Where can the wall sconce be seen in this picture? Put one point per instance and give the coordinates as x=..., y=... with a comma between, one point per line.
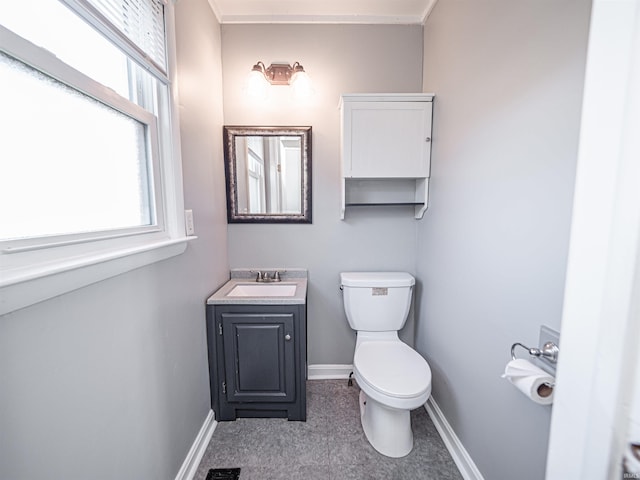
x=261, y=77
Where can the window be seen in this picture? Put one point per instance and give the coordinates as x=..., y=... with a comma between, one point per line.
x=75, y=157
x=89, y=164
x=255, y=174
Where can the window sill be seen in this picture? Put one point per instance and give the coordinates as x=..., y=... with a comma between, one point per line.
x=27, y=286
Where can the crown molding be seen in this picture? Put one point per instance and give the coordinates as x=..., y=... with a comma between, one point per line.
x=428, y=10
x=324, y=19
x=320, y=18
x=215, y=10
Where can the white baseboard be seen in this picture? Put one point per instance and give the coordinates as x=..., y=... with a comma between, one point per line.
x=460, y=456
x=328, y=372
x=190, y=464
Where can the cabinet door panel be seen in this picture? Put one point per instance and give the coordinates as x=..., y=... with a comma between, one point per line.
x=259, y=360
x=388, y=139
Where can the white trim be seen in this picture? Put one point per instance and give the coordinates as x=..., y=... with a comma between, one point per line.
x=48, y=281
x=174, y=193
x=600, y=328
x=460, y=456
x=328, y=372
x=215, y=10
x=428, y=10
x=325, y=19
x=192, y=461
x=73, y=240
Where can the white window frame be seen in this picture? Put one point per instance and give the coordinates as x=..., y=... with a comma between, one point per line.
x=37, y=269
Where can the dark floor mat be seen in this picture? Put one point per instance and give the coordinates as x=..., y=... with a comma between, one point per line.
x=223, y=474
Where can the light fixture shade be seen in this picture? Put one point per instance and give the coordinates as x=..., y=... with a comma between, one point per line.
x=261, y=77
x=301, y=85
x=257, y=84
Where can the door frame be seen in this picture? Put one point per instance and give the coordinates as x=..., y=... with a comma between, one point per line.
x=600, y=326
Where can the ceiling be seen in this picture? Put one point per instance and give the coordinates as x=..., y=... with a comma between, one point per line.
x=322, y=11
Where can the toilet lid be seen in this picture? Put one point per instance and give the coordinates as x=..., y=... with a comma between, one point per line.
x=377, y=279
x=392, y=368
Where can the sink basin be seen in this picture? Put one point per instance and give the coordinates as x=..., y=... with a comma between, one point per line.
x=263, y=290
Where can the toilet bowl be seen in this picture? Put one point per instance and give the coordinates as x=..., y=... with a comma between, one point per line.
x=393, y=378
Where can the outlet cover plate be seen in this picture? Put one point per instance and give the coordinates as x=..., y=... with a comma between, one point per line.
x=188, y=223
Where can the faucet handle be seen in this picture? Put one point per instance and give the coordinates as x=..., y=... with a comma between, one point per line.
x=277, y=274
x=259, y=275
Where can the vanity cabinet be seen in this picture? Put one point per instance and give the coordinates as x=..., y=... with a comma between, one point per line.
x=257, y=358
x=386, y=150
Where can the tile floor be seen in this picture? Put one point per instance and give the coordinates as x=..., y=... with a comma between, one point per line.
x=329, y=445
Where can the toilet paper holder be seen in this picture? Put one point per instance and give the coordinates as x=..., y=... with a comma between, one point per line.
x=548, y=351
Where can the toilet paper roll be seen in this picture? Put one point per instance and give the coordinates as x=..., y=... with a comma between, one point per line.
x=534, y=382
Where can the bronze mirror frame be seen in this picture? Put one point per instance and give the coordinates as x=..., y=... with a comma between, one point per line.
x=230, y=132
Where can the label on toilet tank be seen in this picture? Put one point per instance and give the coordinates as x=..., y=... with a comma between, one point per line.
x=379, y=291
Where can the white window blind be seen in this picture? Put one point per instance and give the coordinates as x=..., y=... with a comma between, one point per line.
x=140, y=21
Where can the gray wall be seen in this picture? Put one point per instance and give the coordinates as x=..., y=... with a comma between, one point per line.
x=508, y=78
x=339, y=59
x=115, y=374
x=111, y=381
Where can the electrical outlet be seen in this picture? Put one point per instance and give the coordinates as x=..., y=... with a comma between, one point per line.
x=188, y=223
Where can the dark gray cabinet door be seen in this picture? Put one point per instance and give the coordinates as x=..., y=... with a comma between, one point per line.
x=259, y=357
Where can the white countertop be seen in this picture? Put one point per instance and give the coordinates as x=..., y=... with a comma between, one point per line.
x=297, y=277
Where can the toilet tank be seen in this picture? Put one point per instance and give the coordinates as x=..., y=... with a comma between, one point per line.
x=376, y=301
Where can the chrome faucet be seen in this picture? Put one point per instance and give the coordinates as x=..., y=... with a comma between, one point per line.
x=264, y=276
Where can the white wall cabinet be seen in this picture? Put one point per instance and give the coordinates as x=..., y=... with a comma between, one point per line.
x=386, y=150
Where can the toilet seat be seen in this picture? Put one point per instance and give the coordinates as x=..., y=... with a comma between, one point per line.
x=393, y=370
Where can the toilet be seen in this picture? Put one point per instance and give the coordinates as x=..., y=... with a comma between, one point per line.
x=393, y=378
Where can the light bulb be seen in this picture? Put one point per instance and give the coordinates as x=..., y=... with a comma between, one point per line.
x=257, y=85
x=301, y=85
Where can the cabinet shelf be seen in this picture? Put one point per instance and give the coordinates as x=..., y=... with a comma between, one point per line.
x=385, y=204
x=380, y=192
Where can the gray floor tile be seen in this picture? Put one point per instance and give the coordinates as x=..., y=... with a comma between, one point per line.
x=330, y=445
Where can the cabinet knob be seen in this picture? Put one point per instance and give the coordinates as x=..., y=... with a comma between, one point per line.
x=287, y=337
x=428, y=139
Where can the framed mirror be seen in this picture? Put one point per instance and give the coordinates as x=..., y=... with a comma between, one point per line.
x=268, y=172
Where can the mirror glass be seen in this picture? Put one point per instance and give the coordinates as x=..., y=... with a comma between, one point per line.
x=268, y=172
